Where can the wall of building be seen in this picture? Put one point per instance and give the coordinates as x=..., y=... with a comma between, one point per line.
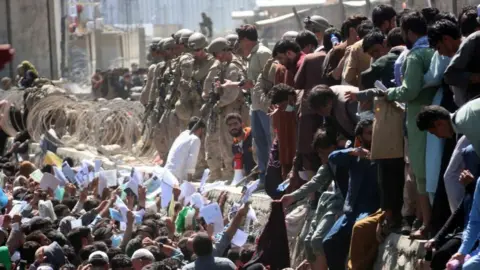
x=29, y=26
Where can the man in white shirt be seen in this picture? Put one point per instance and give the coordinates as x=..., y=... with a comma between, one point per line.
x=183, y=155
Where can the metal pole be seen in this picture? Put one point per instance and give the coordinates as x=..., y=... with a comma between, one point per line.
x=50, y=45
x=454, y=7
x=9, y=34
x=342, y=10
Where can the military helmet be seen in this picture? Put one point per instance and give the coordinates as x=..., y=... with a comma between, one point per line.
x=290, y=35
x=160, y=45
x=316, y=23
x=154, y=45
x=178, y=35
x=197, y=41
x=218, y=45
x=185, y=35
x=232, y=39
x=168, y=43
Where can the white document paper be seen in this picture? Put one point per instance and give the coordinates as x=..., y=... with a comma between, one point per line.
x=102, y=184
x=250, y=189
x=240, y=238
x=37, y=175
x=197, y=200
x=139, y=216
x=49, y=181
x=213, y=215
x=152, y=184
x=110, y=177
x=76, y=223
x=252, y=215
x=17, y=208
x=133, y=185
x=167, y=194
x=68, y=172
x=98, y=165
x=59, y=174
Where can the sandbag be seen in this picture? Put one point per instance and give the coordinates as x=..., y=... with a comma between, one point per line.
x=387, y=136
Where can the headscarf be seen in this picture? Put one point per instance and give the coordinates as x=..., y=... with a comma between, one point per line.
x=26, y=65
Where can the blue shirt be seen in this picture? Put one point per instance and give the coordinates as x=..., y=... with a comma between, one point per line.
x=471, y=233
x=362, y=195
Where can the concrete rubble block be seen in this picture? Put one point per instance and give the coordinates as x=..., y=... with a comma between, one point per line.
x=399, y=252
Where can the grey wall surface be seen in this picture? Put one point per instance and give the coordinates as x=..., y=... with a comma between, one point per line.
x=32, y=27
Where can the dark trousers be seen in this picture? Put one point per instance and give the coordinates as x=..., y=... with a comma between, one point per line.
x=336, y=244
x=444, y=253
x=392, y=180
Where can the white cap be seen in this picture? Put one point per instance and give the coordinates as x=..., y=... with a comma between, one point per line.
x=143, y=254
x=98, y=255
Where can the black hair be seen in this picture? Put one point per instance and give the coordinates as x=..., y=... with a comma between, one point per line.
x=446, y=16
x=91, y=204
x=429, y=114
x=35, y=236
x=157, y=266
x=156, y=252
x=415, y=22
x=56, y=236
x=173, y=263
x=371, y=39
x=283, y=46
x=233, y=254
x=382, y=13
x=47, y=169
x=61, y=210
x=429, y=14
x=361, y=125
x=120, y=261
x=85, y=252
x=113, y=251
x=306, y=38
x=280, y=93
x=395, y=38
x=327, y=39
x=202, y=245
x=440, y=29
x=69, y=160
x=27, y=251
x=351, y=22
x=402, y=14
x=320, y=95
x=234, y=116
x=246, y=254
x=193, y=121
x=76, y=235
x=364, y=28
x=99, y=245
x=323, y=140
x=247, y=31
x=469, y=22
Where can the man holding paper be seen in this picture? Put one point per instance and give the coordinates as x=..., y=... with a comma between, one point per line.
x=182, y=157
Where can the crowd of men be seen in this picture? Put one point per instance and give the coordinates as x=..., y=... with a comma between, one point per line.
x=308, y=113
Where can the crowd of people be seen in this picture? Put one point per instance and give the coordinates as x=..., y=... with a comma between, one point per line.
x=117, y=83
x=311, y=106
x=355, y=133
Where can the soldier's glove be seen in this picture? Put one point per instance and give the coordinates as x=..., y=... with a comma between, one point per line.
x=149, y=106
x=216, y=108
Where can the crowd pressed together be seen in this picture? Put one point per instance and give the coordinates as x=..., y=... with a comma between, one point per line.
x=354, y=133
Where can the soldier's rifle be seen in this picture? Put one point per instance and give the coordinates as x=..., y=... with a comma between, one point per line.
x=171, y=99
x=207, y=110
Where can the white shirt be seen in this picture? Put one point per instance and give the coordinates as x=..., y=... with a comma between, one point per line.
x=182, y=157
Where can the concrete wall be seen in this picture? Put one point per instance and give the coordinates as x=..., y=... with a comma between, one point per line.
x=135, y=48
x=30, y=27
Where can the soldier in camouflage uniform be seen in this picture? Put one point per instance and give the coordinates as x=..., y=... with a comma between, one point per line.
x=193, y=68
x=163, y=76
x=218, y=141
x=155, y=53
